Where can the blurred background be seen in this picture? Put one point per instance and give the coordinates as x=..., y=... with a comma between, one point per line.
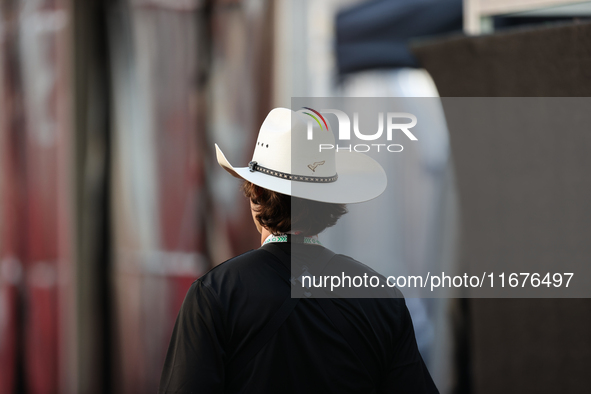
x=112, y=203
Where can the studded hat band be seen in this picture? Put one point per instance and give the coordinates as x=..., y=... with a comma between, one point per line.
x=253, y=166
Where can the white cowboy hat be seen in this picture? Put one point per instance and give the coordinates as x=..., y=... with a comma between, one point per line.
x=288, y=159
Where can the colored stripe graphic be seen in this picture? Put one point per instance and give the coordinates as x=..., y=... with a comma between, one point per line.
x=321, y=117
x=314, y=119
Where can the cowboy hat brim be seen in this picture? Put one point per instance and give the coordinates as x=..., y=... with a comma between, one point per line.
x=360, y=178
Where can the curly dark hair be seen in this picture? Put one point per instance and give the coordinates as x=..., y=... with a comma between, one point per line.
x=279, y=213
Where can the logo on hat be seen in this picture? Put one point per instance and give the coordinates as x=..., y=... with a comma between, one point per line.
x=315, y=164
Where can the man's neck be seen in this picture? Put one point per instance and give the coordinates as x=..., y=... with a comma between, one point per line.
x=264, y=234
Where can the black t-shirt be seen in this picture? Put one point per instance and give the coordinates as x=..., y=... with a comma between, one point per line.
x=229, y=305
